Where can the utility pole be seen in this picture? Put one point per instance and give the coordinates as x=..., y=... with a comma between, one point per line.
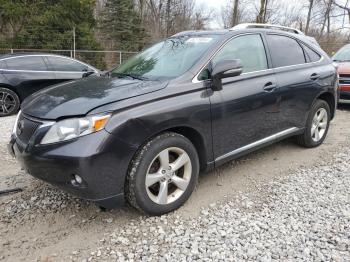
x=74, y=42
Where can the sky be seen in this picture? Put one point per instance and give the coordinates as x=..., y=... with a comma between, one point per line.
x=216, y=4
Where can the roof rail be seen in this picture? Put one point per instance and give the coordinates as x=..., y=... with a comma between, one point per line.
x=269, y=26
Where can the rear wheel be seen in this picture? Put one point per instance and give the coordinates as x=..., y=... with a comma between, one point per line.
x=163, y=174
x=317, y=125
x=9, y=102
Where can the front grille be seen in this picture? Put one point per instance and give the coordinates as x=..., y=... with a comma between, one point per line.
x=26, y=128
x=344, y=79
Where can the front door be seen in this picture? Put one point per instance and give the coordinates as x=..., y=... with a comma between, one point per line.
x=66, y=69
x=246, y=111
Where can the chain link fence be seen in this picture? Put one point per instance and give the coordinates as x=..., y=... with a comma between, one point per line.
x=102, y=60
x=108, y=59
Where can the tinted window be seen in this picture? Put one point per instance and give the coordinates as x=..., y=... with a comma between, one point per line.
x=65, y=64
x=35, y=63
x=285, y=51
x=249, y=49
x=311, y=54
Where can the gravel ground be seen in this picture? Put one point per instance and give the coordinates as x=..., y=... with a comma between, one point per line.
x=303, y=217
x=12, y=177
x=283, y=203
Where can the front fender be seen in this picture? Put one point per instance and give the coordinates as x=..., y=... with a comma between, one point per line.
x=136, y=125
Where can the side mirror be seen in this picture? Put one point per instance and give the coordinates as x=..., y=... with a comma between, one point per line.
x=225, y=69
x=88, y=73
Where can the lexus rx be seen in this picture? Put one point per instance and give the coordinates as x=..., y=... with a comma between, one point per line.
x=188, y=104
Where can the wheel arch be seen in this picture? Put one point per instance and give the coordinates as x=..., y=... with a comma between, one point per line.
x=329, y=98
x=196, y=139
x=2, y=85
x=193, y=135
x=137, y=131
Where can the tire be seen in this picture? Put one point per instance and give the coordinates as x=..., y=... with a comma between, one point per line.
x=309, y=138
x=149, y=165
x=9, y=102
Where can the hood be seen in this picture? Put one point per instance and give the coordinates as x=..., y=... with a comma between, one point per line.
x=343, y=68
x=81, y=96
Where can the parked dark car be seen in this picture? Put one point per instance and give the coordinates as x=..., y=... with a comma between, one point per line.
x=23, y=74
x=183, y=106
x=342, y=58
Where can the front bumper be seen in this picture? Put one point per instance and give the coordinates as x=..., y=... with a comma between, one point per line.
x=344, y=92
x=345, y=95
x=100, y=159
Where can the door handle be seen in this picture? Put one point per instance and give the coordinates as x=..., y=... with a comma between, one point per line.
x=269, y=87
x=314, y=76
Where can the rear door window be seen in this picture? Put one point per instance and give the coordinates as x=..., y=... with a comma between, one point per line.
x=31, y=63
x=285, y=51
x=66, y=64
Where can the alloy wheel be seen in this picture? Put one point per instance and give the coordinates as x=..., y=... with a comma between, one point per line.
x=168, y=175
x=319, y=124
x=7, y=103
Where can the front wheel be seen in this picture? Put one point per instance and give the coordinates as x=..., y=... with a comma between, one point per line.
x=317, y=125
x=163, y=174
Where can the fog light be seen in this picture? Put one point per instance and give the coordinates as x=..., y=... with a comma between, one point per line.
x=77, y=180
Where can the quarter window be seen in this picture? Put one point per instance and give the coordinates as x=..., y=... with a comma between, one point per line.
x=311, y=54
x=65, y=64
x=285, y=51
x=249, y=49
x=33, y=63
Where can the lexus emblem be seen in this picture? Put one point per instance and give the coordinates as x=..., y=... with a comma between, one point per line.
x=20, y=127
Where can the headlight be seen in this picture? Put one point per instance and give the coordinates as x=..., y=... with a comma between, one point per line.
x=16, y=123
x=74, y=127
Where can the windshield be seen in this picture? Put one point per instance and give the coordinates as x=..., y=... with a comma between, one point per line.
x=343, y=54
x=168, y=59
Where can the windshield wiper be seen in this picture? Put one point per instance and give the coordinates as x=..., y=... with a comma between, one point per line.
x=121, y=75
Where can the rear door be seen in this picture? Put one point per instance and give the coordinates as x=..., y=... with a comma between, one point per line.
x=245, y=111
x=27, y=74
x=66, y=68
x=299, y=75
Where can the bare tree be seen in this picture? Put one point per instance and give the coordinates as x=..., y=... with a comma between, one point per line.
x=162, y=18
x=261, y=17
x=142, y=4
x=235, y=15
x=168, y=18
x=326, y=18
x=311, y=4
x=345, y=8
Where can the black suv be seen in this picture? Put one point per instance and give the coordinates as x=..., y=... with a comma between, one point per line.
x=23, y=74
x=183, y=106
